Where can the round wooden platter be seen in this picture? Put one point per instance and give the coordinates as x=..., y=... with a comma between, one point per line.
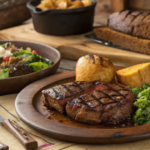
x=29, y=107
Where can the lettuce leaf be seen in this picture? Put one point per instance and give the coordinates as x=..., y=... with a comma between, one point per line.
x=37, y=66
x=37, y=58
x=29, y=57
x=33, y=58
x=23, y=54
x=48, y=61
x=4, y=73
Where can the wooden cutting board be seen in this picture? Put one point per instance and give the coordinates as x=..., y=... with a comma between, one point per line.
x=73, y=47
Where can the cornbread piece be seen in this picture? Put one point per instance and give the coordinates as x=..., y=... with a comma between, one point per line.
x=57, y=96
x=109, y=103
x=94, y=68
x=135, y=23
x=123, y=40
x=135, y=76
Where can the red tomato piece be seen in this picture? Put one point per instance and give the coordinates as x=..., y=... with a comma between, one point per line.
x=5, y=58
x=34, y=52
x=0, y=71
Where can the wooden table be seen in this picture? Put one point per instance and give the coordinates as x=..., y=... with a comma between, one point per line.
x=66, y=65
x=43, y=141
x=71, y=48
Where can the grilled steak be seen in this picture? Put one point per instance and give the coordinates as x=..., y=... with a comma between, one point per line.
x=135, y=23
x=57, y=96
x=109, y=103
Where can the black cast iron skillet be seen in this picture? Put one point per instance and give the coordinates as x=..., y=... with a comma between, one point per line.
x=62, y=22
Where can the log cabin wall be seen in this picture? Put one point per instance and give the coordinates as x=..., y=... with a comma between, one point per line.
x=103, y=7
x=118, y=5
x=139, y=4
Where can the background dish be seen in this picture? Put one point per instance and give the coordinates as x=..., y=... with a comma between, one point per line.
x=62, y=22
x=16, y=84
x=65, y=129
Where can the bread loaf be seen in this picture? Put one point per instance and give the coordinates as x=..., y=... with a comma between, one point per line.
x=123, y=40
x=135, y=23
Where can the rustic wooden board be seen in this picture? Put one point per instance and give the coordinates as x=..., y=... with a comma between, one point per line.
x=73, y=47
x=29, y=108
x=118, y=5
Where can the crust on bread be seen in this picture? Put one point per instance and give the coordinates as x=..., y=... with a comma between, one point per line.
x=123, y=40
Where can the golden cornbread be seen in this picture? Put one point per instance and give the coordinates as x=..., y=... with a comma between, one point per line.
x=135, y=76
x=93, y=68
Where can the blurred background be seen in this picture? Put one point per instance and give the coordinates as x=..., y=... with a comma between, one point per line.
x=103, y=7
x=15, y=12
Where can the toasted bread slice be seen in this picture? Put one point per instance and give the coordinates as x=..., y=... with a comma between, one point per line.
x=135, y=76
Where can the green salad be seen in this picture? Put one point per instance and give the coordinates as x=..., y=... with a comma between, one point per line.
x=4, y=73
x=17, y=61
x=142, y=104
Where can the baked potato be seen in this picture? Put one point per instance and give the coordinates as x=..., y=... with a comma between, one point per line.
x=76, y=4
x=47, y=4
x=63, y=4
x=135, y=76
x=93, y=68
x=87, y=2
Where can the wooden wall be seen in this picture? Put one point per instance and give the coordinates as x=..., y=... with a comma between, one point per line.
x=103, y=6
x=118, y=5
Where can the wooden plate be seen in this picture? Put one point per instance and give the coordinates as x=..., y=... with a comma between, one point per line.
x=16, y=84
x=29, y=107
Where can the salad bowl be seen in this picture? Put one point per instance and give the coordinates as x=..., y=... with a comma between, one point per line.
x=17, y=83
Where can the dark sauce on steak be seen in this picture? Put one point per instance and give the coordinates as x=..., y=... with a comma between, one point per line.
x=55, y=116
x=63, y=119
x=105, y=105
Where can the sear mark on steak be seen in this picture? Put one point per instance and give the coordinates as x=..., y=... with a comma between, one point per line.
x=109, y=103
x=56, y=97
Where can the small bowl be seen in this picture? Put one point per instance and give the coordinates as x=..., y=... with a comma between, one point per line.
x=62, y=22
x=16, y=84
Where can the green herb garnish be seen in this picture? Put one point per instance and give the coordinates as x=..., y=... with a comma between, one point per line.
x=136, y=91
x=142, y=103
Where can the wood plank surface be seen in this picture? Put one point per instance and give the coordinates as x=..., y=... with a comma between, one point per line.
x=118, y=5
x=139, y=4
x=73, y=47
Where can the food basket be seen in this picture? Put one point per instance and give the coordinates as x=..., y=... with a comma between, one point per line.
x=13, y=12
